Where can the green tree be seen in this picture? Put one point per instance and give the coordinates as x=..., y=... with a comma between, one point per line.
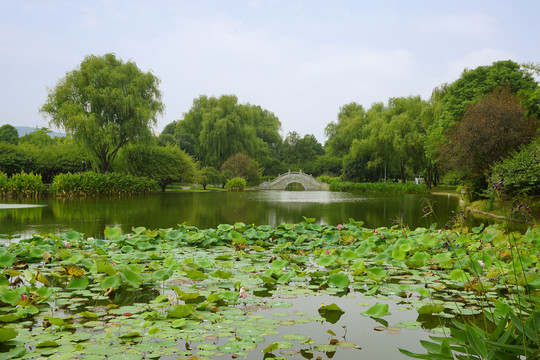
x=216, y=128
x=9, y=134
x=14, y=159
x=476, y=83
x=52, y=159
x=351, y=121
x=489, y=131
x=298, y=150
x=105, y=104
x=164, y=164
x=519, y=172
x=209, y=176
x=38, y=137
x=241, y=165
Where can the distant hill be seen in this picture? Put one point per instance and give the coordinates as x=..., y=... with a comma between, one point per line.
x=23, y=130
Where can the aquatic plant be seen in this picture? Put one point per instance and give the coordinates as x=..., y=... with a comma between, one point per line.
x=203, y=292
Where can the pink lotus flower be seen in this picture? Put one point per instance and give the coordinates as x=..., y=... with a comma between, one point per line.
x=90, y=239
x=67, y=244
x=481, y=263
x=243, y=293
x=339, y=227
x=23, y=297
x=327, y=251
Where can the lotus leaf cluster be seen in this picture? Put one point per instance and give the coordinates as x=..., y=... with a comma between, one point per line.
x=192, y=293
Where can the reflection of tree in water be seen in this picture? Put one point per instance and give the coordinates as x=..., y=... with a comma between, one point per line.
x=207, y=210
x=22, y=215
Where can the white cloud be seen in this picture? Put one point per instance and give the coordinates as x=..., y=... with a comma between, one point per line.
x=478, y=58
x=468, y=26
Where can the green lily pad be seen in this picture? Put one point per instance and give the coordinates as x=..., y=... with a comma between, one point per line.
x=325, y=348
x=294, y=337
x=378, y=310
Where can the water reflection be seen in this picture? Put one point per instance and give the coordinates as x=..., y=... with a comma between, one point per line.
x=91, y=216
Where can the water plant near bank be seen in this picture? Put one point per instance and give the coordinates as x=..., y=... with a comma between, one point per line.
x=205, y=293
x=21, y=185
x=91, y=183
x=395, y=188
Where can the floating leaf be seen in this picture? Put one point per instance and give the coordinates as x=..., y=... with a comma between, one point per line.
x=112, y=233
x=196, y=275
x=180, y=311
x=222, y=274
x=331, y=313
x=78, y=283
x=88, y=315
x=162, y=275
x=6, y=259
x=7, y=334
x=377, y=310
x=325, y=348
x=339, y=280
x=114, y=282
x=270, y=348
x=430, y=309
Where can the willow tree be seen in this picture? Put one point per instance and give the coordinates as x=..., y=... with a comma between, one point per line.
x=105, y=104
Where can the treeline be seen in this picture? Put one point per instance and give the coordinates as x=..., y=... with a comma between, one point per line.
x=480, y=128
x=455, y=137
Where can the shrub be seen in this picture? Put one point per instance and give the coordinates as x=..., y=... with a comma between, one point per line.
x=236, y=184
x=520, y=171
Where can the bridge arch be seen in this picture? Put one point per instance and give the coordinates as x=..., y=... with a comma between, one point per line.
x=307, y=181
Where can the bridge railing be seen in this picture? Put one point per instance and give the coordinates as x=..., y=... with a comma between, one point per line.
x=280, y=176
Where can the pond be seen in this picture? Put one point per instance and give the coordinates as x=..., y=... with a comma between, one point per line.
x=209, y=209
x=285, y=288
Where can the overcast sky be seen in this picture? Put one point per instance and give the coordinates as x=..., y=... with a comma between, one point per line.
x=301, y=60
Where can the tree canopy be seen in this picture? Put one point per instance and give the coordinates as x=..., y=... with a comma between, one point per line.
x=491, y=128
x=9, y=134
x=105, y=104
x=216, y=128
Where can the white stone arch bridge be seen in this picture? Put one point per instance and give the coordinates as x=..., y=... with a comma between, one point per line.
x=307, y=181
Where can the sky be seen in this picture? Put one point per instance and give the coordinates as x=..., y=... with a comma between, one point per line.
x=300, y=59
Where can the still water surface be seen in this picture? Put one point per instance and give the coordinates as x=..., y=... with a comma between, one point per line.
x=208, y=209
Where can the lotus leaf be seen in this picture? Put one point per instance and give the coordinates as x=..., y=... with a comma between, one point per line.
x=376, y=311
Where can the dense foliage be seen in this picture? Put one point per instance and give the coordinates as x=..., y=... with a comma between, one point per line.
x=520, y=172
x=241, y=165
x=105, y=104
x=164, y=164
x=216, y=128
x=236, y=184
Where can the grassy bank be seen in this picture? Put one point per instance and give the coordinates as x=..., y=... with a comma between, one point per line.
x=520, y=210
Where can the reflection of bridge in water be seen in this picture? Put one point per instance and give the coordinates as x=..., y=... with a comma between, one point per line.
x=282, y=181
